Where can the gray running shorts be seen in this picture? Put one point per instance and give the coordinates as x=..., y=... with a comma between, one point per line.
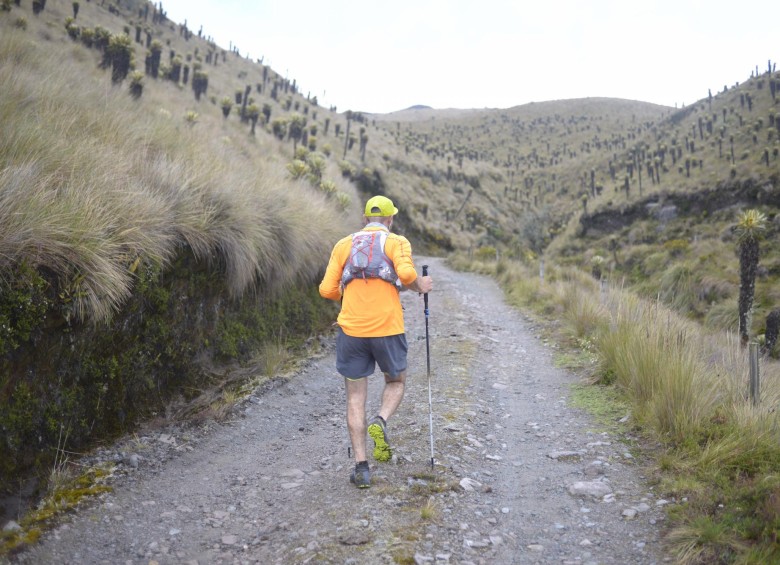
x=357, y=357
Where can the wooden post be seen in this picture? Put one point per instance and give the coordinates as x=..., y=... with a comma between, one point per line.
x=755, y=381
x=541, y=270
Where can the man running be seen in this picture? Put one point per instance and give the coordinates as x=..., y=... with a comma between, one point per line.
x=366, y=271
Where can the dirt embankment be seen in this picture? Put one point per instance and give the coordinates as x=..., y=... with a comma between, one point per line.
x=723, y=196
x=521, y=476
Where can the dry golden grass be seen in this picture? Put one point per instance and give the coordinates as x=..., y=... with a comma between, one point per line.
x=92, y=182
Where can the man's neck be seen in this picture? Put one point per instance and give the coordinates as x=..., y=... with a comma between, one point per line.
x=377, y=225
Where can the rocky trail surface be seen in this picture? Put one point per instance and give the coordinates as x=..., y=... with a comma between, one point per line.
x=520, y=475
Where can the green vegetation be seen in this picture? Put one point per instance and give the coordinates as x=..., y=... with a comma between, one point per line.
x=65, y=491
x=749, y=230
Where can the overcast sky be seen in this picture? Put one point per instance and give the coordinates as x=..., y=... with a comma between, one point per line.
x=383, y=56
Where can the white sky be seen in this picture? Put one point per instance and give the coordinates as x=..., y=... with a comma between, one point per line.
x=380, y=57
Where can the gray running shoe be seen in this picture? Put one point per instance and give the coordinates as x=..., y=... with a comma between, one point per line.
x=361, y=476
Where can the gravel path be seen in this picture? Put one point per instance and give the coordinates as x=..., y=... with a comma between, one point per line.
x=521, y=477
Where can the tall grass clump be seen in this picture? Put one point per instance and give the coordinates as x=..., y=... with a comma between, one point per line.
x=91, y=183
x=652, y=356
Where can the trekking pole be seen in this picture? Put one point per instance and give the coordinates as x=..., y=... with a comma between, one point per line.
x=428, y=358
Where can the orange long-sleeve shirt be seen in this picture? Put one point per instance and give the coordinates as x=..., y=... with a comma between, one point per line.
x=370, y=307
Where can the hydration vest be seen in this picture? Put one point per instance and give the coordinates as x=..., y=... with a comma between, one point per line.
x=367, y=259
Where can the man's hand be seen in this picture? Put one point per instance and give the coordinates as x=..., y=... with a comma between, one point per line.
x=423, y=285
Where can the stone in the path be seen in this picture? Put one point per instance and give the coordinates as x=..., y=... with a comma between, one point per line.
x=294, y=473
x=594, y=469
x=474, y=544
x=419, y=559
x=629, y=513
x=230, y=539
x=469, y=485
x=499, y=386
x=595, y=489
x=288, y=486
x=536, y=547
x=354, y=538
x=563, y=455
x=167, y=439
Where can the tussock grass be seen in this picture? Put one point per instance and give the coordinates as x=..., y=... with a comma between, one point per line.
x=273, y=357
x=582, y=311
x=93, y=183
x=430, y=511
x=652, y=355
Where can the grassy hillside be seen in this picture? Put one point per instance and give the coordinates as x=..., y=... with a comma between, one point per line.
x=647, y=193
x=519, y=165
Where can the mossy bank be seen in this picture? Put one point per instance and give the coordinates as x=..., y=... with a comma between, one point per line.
x=86, y=382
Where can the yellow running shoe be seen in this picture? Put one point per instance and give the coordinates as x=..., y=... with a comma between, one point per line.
x=377, y=429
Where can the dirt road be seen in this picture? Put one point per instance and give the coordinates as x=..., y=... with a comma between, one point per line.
x=521, y=477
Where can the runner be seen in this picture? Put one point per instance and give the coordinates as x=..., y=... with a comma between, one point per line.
x=366, y=271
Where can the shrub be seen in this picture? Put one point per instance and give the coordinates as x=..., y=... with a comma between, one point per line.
x=676, y=247
x=298, y=169
x=253, y=114
x=227, y=105
x=328, y=187
x=485, y=253
x=279, y=128
x=200, y=83
x=120, y=53
x=155, y=53
x=316, y=163
x=347, y=170
x=136, y=84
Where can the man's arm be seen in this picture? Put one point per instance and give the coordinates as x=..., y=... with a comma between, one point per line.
x=404, y=268
x=330, y=287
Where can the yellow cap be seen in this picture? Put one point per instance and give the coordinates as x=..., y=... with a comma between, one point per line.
x=380, y=206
